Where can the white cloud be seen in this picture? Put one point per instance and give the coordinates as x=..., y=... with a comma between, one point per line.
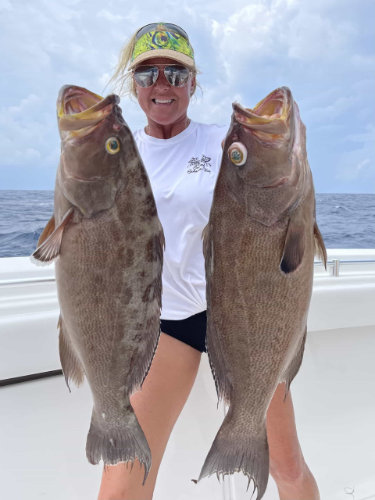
x=354, y=172
x=316, y=38
x=29, y=103
x=333, y=109
x=357, y=162
x=215, y=105
x=245, y=48
x=278, y=29
x=110, y=16
x=31, y=133
x=5, y=5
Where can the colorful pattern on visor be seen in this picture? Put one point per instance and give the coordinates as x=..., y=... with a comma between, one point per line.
x=161, y=38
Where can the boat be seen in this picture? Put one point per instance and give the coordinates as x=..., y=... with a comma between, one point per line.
x=43, y=426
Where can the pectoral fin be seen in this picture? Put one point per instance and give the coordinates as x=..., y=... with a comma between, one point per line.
x=50, y=227
x=51, y=238
x=294, y=246
x=320, y=248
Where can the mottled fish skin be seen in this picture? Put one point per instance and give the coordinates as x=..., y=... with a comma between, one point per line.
x=108, y=270
x=259, y=248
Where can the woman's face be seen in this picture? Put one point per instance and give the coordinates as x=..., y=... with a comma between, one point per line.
x=163, y=103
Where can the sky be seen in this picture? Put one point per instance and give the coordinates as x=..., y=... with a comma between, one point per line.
x=323, y=50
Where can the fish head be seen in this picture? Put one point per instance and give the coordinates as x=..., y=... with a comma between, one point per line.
x=95, y=144
x=265, y=156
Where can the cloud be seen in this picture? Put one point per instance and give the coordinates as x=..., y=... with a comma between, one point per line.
x=357, y=162
x=110, y=16
x=245, y=48
x=214, y=105
x=279, y=29
x=5, y=5
x=29, y=137
x=313, y=37
x=333, y=108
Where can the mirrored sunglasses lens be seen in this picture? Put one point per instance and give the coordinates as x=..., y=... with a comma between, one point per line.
x=146, y=76
x=176, y=75
x=152, y=26
x=177, y=29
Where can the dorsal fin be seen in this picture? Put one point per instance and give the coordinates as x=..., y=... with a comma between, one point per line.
x=320, y=248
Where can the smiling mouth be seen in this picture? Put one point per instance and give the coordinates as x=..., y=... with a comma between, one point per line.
x=162, y=101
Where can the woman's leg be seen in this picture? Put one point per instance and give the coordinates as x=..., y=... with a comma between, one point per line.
x=157, y=406
x=287, y=465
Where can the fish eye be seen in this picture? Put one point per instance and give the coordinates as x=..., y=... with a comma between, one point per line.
x=237, y=153
x=112, y=145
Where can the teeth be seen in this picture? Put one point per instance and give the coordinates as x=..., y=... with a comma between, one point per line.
x=162, y=101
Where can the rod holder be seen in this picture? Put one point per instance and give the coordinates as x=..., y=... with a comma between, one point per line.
x=335, y=267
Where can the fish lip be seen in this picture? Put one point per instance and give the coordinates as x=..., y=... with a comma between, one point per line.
x=79, y=111
x=275, y=123
x=69, y=93
x=247, y=112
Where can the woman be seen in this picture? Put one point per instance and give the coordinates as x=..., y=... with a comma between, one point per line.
x=182, y=159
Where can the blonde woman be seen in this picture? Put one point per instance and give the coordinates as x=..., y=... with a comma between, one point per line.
x=182, y=159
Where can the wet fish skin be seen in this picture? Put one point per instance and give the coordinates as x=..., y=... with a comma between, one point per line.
x=259, y=248
x=108, y=267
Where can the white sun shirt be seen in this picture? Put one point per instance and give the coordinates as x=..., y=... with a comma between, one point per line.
x=183, y=172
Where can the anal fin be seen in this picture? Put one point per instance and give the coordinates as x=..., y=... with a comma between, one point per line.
x=70, y=363
x=294, y=365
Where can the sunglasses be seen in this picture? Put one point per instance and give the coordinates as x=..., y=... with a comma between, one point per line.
x=170, y=27
x=176, y=75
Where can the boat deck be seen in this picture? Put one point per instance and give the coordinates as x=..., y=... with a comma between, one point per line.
x=43, y=427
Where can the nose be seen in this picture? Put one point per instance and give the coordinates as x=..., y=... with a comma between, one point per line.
x=161, y=80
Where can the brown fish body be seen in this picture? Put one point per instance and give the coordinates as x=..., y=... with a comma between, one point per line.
x=259, y=251
x=108, y=272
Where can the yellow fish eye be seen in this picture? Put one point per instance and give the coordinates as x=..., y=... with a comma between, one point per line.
x=112, y=145
x=237, y=153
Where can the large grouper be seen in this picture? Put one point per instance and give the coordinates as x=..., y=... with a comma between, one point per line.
x=107, y=242
x=259, y=248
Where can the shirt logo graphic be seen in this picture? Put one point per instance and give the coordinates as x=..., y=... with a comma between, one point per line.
x=196, y=164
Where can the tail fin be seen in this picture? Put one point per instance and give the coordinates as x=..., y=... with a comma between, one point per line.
x=235, y=450
x=121, y=443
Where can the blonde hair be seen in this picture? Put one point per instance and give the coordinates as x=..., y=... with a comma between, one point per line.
x=122, y=79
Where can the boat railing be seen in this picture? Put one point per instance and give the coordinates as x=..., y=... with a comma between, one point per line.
x=27, y=281
x=336, y=266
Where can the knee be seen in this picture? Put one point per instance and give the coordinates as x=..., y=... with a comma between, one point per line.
x=290, y=470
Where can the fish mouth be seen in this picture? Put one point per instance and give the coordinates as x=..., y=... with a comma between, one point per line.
x=269, y=120
x=79, y=111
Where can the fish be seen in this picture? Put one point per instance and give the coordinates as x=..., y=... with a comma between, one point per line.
x=107, y=243
x=259, y=246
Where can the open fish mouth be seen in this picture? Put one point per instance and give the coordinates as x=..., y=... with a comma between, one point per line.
x=270, y=123
x=79, y=110
x=269, y=120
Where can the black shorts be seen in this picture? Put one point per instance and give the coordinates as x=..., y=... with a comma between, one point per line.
x=191, y=330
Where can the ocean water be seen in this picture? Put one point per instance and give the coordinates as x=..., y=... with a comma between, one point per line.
x=345, y=220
